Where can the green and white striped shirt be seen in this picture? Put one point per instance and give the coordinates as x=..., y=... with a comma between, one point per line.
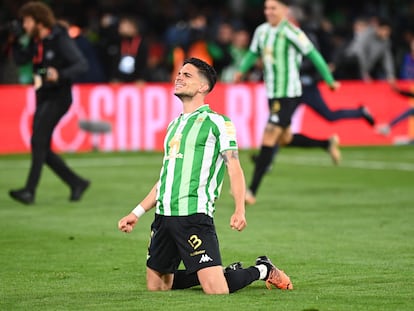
x=281, y=49
x=193, y=169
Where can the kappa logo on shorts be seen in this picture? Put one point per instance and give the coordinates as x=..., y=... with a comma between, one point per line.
x=274, y=118
x=205, y=258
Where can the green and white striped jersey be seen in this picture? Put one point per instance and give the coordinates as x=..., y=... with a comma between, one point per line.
x=281, y=49
x=193, y=169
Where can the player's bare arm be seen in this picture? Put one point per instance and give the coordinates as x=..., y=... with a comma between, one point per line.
x=238, y=77
x=127, y=223
x=238, y=188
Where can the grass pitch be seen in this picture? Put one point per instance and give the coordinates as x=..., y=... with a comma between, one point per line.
x=345, y=235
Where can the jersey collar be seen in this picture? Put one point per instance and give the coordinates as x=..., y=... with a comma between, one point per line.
x=200, y=109
x=203, y=108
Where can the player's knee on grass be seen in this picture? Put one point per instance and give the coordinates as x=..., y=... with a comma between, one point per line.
x=157, y=281
x=212, y=280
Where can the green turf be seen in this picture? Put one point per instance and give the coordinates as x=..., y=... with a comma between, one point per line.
x=345, y=235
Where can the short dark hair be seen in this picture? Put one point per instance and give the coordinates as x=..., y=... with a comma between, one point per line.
x=205, y=69
x=40, y=12
x=384, y=22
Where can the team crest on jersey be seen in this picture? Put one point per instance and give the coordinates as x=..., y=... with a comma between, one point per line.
x=174, y=147
x=268, y=54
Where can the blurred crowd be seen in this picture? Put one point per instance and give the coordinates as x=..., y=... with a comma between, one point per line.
x=146, y=41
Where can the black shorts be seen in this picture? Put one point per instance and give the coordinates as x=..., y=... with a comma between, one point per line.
x=191, y=239
x=281, y=110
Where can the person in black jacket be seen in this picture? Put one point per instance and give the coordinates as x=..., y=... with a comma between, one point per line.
x=56, y=61
x=125, y=51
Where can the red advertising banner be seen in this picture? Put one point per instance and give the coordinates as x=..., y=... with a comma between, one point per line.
x=139, y=115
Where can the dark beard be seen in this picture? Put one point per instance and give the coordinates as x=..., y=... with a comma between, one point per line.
x=182, y=96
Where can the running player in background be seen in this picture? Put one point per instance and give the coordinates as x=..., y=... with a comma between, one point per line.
x=310, y=78
x=330, y=145
x=312, y=98
x=281, y=46
x=385, y=129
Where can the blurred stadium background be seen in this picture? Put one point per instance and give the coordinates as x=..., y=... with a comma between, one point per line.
x=167, y=24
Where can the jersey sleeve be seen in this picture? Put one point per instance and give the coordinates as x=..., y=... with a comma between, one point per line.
x=321, y=65
x=226, y=134
x=254, y=44
x=248, y=61
x=76, y=62
x=299, y=39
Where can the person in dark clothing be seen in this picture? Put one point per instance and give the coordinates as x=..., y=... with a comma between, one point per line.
x=125, y=53
x=310, y=79
x=385, y=129
x=95, y=72
x=56, y=61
